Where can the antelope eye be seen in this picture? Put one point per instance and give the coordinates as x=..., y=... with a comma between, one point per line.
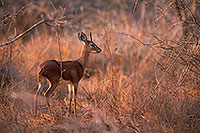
x=92, y=45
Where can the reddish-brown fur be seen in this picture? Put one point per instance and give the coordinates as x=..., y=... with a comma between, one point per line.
x=71, y=71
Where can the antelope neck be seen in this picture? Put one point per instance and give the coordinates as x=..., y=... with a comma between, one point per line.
x=83, y=59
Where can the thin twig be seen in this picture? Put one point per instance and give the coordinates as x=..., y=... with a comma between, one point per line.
x=182, y=77
x=145, y=44
x=163, y=13
x=135, y=6
x=155, y=88
x=156, y=72
x=133, y=38
x=89, y=96
x=190, y=13
x=15, y=14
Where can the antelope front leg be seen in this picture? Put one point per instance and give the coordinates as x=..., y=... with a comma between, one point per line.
x=75, y=87
x=70, y=97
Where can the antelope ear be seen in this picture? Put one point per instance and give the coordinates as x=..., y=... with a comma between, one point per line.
x=82, y=36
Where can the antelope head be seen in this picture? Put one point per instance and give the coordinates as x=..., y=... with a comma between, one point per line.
x=90, y=46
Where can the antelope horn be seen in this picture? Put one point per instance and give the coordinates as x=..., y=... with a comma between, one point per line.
x=91, y=36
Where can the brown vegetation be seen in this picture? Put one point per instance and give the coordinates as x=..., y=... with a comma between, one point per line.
x=147, y=78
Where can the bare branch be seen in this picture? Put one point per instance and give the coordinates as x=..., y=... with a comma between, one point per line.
x=133, y=38
x=25, y=32
x=28, y=30
x=145, y=44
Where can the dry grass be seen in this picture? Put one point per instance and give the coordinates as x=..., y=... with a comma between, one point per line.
x=150, y=85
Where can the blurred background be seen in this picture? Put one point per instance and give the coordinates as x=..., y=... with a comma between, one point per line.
x=146, y=79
